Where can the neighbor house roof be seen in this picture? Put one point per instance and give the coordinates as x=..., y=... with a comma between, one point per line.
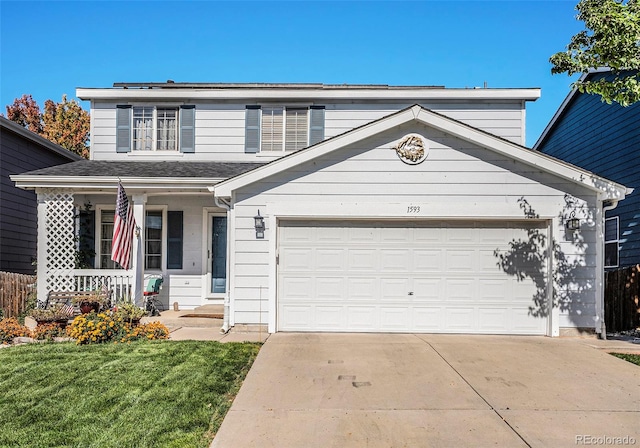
x=9, y=125
x=417, y=113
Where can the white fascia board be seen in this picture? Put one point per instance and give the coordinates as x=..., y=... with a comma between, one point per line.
x=182, y=184
x=225, y=188
x=611, y=190
x=258, y=94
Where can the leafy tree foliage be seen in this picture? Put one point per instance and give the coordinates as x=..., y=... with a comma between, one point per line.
x=64, y=123
x=612, y=40
x=26, y=112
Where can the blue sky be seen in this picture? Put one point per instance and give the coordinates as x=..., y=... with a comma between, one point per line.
x=50, y=48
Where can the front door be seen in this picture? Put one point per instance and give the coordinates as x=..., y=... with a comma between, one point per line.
x=218, y=254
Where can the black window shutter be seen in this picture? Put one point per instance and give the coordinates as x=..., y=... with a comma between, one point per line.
x=174, y=240
x=252, y=129
x=316, y=124
x=123, y=128
x=187, y=129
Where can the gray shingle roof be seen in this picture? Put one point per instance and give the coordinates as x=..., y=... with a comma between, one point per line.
x=102, y=168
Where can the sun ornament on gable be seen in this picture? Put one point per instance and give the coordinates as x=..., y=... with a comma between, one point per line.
x=412, y=149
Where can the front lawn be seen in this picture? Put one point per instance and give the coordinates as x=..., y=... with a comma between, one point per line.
x=628, y=357
x=143, y=394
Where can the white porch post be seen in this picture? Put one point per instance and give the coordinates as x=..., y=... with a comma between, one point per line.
x=139, y=202
x=42, y=247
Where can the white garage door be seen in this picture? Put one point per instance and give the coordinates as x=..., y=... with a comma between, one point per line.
x=439, y=277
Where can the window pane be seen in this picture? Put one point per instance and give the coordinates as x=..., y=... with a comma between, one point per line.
x=167, y=129
x=143, y=128
x=106, y=238
x=611, y=229
x=611, y=254
x=153, y=240
x=296, y=134
x=271, y=132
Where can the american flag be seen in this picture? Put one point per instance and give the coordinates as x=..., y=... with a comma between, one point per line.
x=123, y=225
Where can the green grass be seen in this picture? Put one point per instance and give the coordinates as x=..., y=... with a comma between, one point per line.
x=628, y=357
x=146, y=394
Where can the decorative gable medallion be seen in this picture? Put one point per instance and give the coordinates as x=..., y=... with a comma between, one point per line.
x=412, y=149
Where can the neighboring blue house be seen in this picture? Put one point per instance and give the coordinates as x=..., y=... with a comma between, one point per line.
x=22, y=150
x=605, y=139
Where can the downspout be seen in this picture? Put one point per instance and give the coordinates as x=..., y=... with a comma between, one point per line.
x=605, y=208
x=225, y=321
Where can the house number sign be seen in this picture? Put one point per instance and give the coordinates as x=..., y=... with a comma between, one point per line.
x=412, y=149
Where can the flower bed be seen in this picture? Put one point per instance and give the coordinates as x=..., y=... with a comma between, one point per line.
x=95, y=328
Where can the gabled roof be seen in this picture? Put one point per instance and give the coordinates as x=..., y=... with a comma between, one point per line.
x=35, y=138
x=416, y=113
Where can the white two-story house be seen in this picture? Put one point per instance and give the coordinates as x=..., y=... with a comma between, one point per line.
x=311, y=207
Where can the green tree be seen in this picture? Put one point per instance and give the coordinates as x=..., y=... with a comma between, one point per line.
x=611, y=39
x=64, y=123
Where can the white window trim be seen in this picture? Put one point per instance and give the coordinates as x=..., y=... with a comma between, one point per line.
x=617, y=240
x=155, y=149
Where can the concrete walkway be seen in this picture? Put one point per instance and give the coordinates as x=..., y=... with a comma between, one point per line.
x=382, y=390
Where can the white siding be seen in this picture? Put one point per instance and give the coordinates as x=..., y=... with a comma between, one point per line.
x=219, y=128
x=457, y=181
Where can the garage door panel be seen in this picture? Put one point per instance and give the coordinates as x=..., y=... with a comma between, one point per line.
x=298, y=288
x=435, y=276
x=329, y=318
x=330, y=288
x=394, y=318
x=427, y=290
x=297, y=259
x=461, y=320
x=428, y=319
x=330, y=259
x=363, y=260
x=459, y=290
x=491, y=320
x=460, y=260
x=362, y=288
x=395, y=260
x=297, y=317
x=427, y=260
x=362, y=318
x=395, y=289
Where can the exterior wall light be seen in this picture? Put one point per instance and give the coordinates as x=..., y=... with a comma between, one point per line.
x=259, y=225
x=572, y=223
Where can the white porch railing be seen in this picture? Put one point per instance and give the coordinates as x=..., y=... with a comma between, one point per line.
x=118, y=281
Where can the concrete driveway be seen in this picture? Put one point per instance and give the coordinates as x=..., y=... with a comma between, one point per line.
x=386, y=390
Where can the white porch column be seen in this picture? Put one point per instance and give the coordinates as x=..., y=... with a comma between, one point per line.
x=139, y=202
x=42, y=247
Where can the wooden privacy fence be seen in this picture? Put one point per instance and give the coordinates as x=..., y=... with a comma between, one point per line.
x=621, y=299
x=14, y=290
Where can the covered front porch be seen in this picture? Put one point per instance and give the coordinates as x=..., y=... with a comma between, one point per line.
x=180, y=238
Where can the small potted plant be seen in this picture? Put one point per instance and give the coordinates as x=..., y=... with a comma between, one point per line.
x=128, y=312
x=91, y=302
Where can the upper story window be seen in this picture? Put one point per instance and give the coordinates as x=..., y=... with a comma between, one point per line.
x=280, y=128
x=150, y=128
x=155, y=129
